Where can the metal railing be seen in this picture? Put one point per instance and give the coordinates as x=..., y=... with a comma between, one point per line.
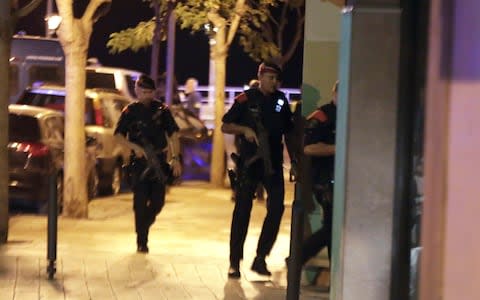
x=207, y=108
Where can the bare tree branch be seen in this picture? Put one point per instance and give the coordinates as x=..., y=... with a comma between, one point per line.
x=92, y=8
x=238, y=13
x=28, y=8
x=296, y=39
x=267, y=32
x=281, y=26
x=65, y=9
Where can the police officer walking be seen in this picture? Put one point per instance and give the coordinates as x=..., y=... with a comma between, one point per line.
x=320, y=145
x=142, y=124
x=260, y=117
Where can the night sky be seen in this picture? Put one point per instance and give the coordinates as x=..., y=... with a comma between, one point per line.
x=191, y=54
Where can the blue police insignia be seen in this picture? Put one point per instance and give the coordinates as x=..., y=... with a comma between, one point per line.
x=278, y=106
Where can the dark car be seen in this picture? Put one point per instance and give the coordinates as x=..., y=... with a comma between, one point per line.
x=195, y=143
x=35, y=150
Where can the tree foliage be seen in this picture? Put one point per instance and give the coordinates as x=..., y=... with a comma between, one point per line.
x=275, y=34
x=194, y=15
x=142, y=35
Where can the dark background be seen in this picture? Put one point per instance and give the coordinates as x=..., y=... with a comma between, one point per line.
x=191, y=53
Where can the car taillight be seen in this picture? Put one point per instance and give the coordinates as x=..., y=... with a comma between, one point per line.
x=34, y=149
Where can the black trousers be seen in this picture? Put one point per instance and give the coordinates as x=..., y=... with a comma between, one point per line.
x=148, y=201
x=244, y=193
x=322, y=237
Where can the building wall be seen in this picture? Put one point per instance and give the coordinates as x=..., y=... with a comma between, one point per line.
x=321, y=46
x=451, y=260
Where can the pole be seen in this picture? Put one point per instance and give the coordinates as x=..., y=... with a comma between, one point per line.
x=52, y=227
x=294, y=263
x=211, y=74
x=170, y=54
x=48, y=13
x=302, y=194
x=156, y=44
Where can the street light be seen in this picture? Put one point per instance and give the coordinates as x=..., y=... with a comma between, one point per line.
x=211, y=30
x=53, y=22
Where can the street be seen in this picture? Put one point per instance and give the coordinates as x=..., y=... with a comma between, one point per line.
x=188, y=256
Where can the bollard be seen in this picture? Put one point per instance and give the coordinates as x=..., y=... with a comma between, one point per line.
x=294, y=263
x=52, y=227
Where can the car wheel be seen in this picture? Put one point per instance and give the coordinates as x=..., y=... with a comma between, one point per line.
x=92, y=184
x=116, y=180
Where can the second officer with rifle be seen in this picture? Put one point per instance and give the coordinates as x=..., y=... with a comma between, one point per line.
x=259, y=118
x=147, y=127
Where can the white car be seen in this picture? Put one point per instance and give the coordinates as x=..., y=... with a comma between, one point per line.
x=119, y=79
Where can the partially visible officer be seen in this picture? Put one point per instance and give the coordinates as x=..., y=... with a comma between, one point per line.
x=320, y=145
x=148, y=121
x=272, y=110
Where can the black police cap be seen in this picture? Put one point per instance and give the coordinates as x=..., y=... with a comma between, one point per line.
x=269, y=67
x=146, y=82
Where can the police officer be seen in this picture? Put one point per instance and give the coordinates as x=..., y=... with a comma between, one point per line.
x=274, y=114
x=148, y=121
x=320, y=145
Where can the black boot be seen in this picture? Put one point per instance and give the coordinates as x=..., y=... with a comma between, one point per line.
x=142, y=243
x=234, y=272
x=260, y=266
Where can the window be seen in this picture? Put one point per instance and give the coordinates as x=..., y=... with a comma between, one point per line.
x=13, y=80
x=50, y=74
x=131, y=84
x=23, y=128
x=100, y=80
x=89, y=112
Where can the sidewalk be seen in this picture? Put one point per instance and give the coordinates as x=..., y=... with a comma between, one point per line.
x=188, y=256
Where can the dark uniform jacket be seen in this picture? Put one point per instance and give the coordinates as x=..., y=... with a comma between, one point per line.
x=276, y=118
x=152, y=122
x=321, y=127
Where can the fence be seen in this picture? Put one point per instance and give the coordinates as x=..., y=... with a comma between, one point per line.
x=207, y=109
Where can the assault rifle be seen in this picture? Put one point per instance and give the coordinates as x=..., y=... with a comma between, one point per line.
x=263, y=148
x=153, y=163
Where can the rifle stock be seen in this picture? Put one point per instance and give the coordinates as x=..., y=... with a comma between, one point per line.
x=153, y=164
x=263, y=148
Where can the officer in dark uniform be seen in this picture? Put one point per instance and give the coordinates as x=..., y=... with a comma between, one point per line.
x=320, y=145
x=148, y=121
x=272, y=109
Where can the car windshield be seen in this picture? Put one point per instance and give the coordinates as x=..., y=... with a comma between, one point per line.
x=23, y=128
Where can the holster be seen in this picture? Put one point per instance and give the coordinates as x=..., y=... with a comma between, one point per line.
x=232, y=176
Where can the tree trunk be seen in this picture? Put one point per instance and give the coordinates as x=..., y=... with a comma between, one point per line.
x=75, y=177
x=217, y=169
x=156, y=44
x=5, y=44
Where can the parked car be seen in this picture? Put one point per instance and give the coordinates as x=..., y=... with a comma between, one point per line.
x=102, y=110
x=195, y=143
x=35, y=150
